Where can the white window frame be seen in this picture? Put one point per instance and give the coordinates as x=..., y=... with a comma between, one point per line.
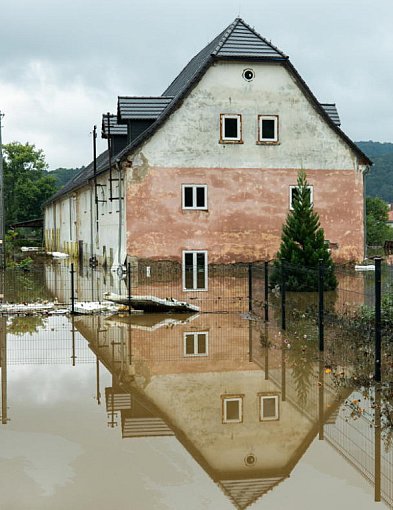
x=195, y=335
x=276, y=416
x=194, y=197
x=195, y=274
x=232, y=398
x=261, y=118
x=311, y=188
x=231, y=139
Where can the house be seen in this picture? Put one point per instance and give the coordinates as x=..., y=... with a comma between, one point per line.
x=205, y=174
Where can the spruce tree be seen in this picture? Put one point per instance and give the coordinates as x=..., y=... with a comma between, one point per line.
x=303, y=245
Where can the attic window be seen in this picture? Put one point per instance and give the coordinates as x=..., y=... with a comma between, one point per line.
x=230, y=128
x=269, y=407
x=267, y=129
x=232, y=408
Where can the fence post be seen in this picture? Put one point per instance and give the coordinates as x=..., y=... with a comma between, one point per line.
x=266, y=304
x=129, y=286
x=72, y=288
x=377, y=371
x=250, y=287
x=321, y=307
x=283, y=292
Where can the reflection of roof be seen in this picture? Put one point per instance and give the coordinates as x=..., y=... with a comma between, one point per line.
x=243, y=493
x=148, y=418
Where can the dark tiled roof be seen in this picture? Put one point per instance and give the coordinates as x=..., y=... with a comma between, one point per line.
x=331, y=110
x=141, y=108
x=237, y=42
x=115, y=129
x=82, y=177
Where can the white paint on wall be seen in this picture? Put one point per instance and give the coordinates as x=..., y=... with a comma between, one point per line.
x=190, y=137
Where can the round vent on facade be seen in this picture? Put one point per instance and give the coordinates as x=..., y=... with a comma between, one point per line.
x=248, y=74
x=250, y=459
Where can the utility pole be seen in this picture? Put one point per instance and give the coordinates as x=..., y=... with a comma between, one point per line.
x=2, y=219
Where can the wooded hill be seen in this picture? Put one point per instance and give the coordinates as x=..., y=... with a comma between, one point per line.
x=379, y=181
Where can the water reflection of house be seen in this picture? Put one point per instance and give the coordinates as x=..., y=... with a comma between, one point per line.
x=202, y=380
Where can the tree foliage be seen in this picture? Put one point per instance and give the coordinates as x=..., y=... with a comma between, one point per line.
x=376, y=217
x=26, y=182
x=379, y=181
x=303, y=245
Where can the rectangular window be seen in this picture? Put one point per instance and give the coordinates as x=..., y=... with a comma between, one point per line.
x=194, y=196
x=293, y=192
x=232, y=408
x=196, y=343
x=195, y=270
x=268, y=407
x=267, y=128
x=230, y=128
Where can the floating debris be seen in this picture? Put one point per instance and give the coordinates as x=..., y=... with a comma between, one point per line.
x=152, y=303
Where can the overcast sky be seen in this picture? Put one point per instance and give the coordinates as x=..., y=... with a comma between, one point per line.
x=63, y=64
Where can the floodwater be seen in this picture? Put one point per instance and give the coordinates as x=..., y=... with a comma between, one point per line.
x=205, y=411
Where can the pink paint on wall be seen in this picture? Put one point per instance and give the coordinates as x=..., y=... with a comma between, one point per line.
x=246, y=209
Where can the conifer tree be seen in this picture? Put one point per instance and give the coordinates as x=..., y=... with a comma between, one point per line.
x=303, y=245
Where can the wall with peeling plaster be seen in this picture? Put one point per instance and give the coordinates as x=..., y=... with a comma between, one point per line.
x=73, y=218
x=248, y=183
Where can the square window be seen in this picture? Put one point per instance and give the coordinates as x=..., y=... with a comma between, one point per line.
x=232, y=408
x=194, y=196
x=293, y=193
x=195, y=270
x=268, y=407
x=267, y=128
x=230, y=128
x=196, y=343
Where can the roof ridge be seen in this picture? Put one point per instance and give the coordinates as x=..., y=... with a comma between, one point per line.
x=262, y=38
x=225, y=36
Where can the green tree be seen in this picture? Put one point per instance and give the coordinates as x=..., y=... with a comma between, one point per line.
x=376, y=217
x=303, y=245
x=26, y=182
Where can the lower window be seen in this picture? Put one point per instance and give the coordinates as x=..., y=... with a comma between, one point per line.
x=232, y=408
x=195, y=270
x=196, y=344
x=268, y=407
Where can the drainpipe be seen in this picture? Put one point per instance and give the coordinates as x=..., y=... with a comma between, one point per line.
x=365, y=251
x=120, y=236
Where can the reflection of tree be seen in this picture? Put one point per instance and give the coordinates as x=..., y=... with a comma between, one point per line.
x=25, y=287
x=300, y=357
x=23, y=325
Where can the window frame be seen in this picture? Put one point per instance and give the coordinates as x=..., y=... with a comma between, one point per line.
x=263, y=396
x=231, y=398
x=267, y=141
x=195, y=272
x=195, y=334
x=291, y=188
x=194, y=187
x=239, y=137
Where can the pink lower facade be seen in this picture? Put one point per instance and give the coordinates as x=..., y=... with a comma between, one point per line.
x=246, y=209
